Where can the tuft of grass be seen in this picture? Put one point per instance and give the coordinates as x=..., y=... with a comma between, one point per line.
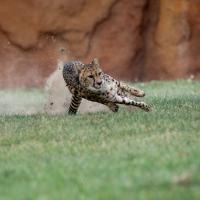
x=128, y=155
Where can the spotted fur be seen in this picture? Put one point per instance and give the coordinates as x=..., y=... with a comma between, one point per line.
x=88, y=81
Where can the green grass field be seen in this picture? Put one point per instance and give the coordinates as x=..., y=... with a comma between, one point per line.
x=105, y=156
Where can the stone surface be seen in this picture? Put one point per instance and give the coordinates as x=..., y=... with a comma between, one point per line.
x=135, y=40
x=168, y=39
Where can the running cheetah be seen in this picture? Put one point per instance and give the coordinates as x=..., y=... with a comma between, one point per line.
x=88, y=81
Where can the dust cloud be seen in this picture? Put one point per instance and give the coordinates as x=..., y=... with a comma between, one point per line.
x=58, y=96
x=54, y=98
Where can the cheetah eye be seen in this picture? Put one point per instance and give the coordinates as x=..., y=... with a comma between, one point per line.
x=90, y=76
x=100, y=73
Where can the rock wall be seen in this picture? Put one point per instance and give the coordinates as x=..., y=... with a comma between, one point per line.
x=135, y=40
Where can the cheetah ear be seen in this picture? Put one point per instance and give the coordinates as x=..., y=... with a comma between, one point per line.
x=96, y=62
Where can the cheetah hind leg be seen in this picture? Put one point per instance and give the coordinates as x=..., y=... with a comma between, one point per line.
x=127, y=101
x=74, y=105
x=132, y=90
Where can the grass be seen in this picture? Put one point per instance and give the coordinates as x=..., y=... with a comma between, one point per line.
x=128, y=155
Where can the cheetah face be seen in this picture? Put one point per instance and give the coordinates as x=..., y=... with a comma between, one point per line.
x=90, y=76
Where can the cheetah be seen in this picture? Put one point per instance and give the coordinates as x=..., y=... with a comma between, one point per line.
x=88, y=81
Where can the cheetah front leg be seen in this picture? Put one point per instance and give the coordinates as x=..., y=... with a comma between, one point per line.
x=132, y=90
x=74, y=105
x=113, y=106
x=127, y=101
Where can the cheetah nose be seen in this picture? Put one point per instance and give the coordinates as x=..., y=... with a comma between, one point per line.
x=99, y=82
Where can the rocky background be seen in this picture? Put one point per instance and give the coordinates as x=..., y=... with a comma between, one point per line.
x=134, y=39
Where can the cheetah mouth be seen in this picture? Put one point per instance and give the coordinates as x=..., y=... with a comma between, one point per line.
x=94, y=89
x=96, y=86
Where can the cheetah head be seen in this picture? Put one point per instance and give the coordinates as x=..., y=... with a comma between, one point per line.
x=90, y=76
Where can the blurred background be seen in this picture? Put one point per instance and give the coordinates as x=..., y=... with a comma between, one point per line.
x=134, y=39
